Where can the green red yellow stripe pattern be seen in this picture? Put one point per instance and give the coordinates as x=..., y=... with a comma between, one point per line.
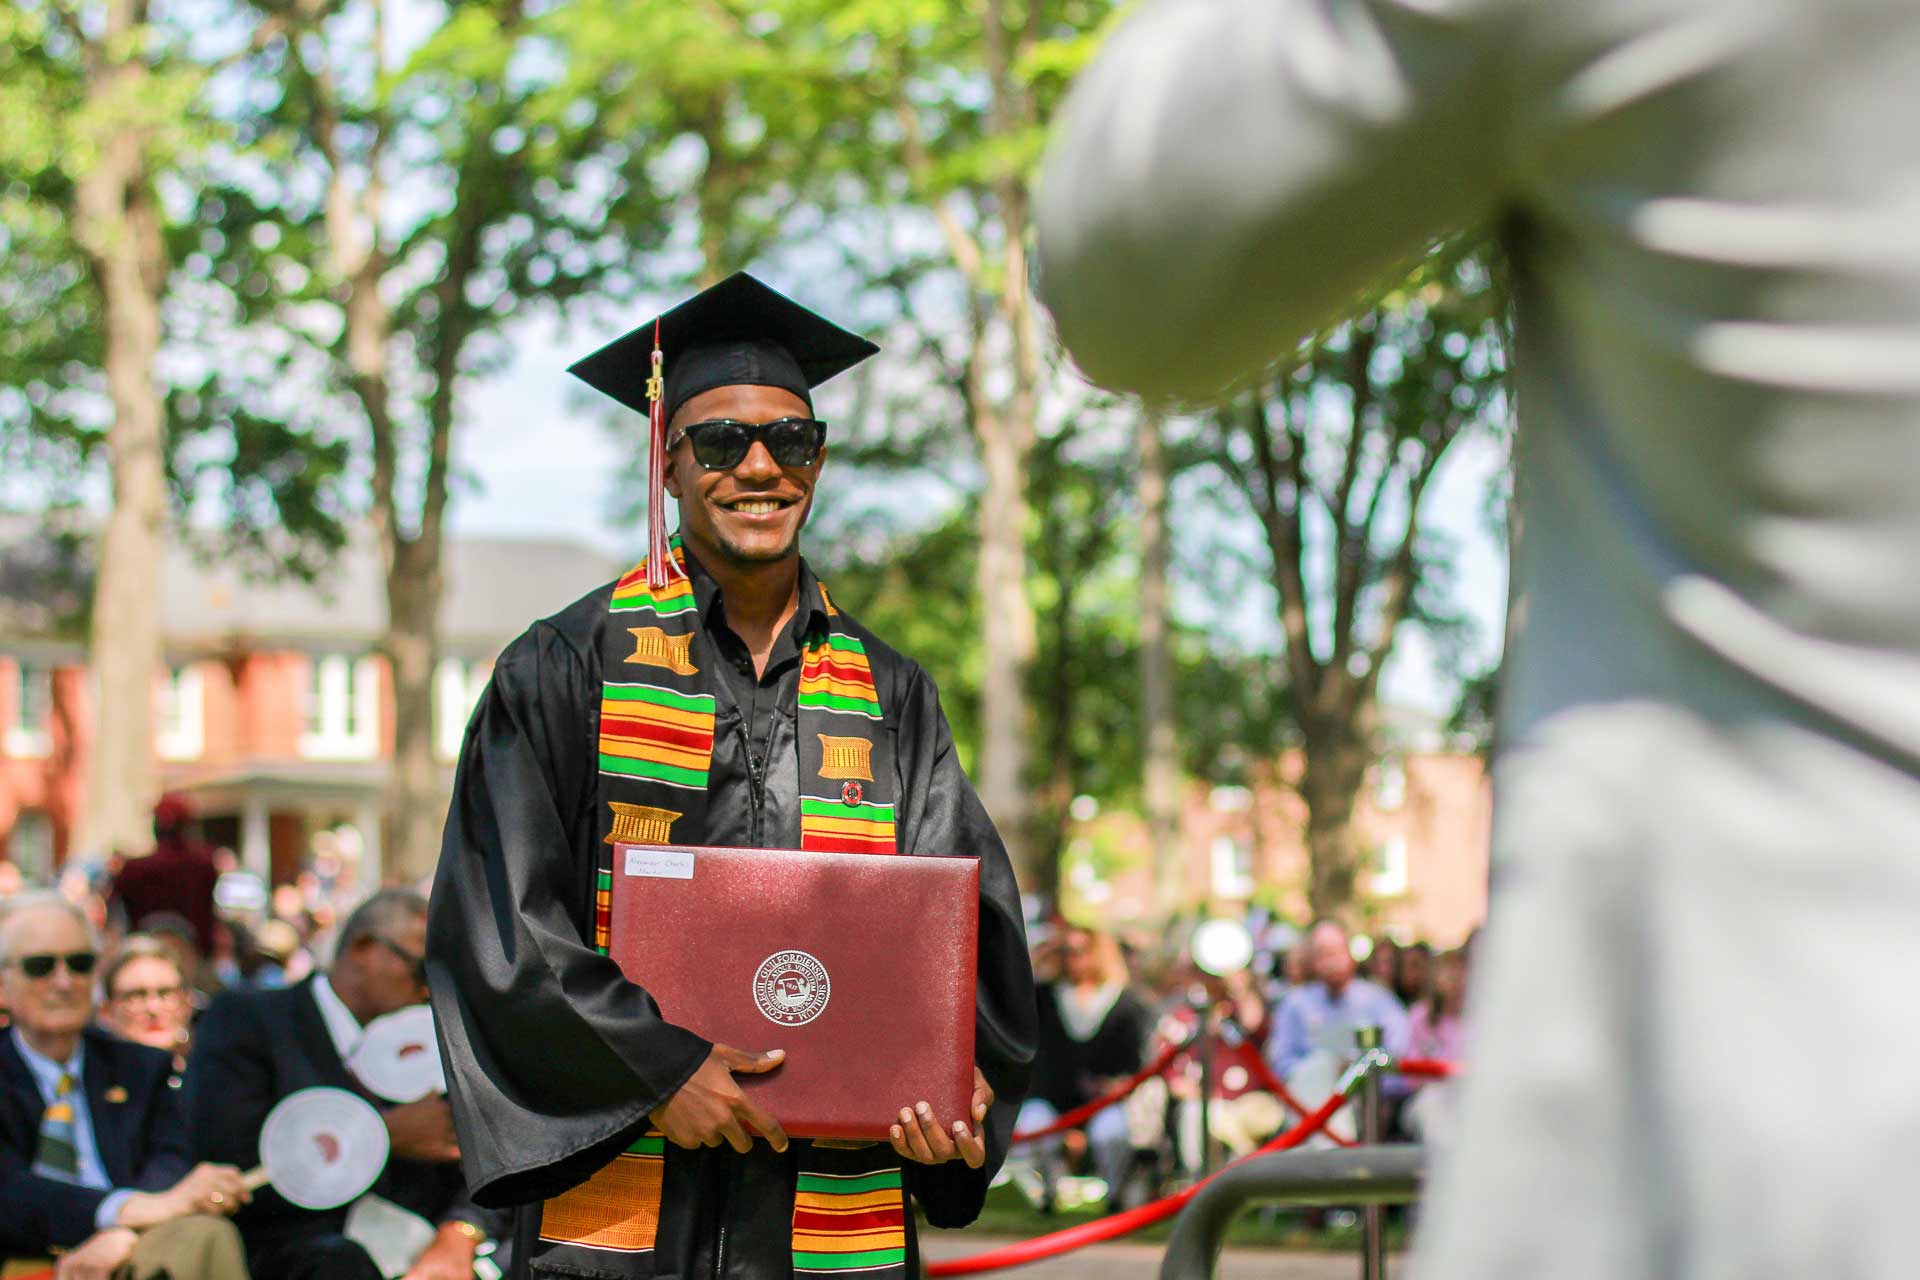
x=631, y=594
x=835, y=676
x=849, y=1222
x=656, y=733
x=603, y=905
x=836, y=826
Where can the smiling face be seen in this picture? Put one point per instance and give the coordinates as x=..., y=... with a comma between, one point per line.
x=750, y=514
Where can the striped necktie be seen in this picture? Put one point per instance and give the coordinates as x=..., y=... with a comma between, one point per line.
x=58, y=1155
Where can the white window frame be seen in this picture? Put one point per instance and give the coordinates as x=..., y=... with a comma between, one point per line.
x=183, y=715
x=1230, y=880
x=457, y=686
x=23, y=740
x=347, y=723
x=1390, y=874
x=1225, y=799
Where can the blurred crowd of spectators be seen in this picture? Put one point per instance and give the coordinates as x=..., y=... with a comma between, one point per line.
x=152, y=1013
x=167, y=933
x=1283, y=1023
x=184, y=922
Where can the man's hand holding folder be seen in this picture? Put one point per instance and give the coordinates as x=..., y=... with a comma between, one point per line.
x=919, y=1136
x=710, y=1109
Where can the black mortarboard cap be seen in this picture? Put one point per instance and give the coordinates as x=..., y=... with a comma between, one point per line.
x=737, y=333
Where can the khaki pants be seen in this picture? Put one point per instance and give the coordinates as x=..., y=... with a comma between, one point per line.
x=201, y=1247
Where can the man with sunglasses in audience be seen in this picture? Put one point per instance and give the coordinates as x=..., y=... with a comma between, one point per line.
x=94, y=1158
x=716, y=695
x=253, y=1048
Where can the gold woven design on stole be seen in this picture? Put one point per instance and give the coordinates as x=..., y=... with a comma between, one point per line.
x=653, y=647
x=845, y=757
x=640, y=824
x=617, y=1208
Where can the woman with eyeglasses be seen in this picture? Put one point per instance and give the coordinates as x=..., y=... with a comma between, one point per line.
x=146, y=997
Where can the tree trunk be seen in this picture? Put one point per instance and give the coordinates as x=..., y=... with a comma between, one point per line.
x=416, y=803
x=1160, y=746
x=1337, y=759
x=1006, y=448
x=1062, y=703
x=1004, y=424
x=1007, y=635
x=715, y=197
x=118, y=226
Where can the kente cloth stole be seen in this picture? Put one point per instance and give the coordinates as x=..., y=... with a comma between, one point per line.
x=655, y=749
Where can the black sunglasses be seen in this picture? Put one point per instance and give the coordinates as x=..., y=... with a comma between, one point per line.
x=721, y=443
x=79, y=964
x=419, y=962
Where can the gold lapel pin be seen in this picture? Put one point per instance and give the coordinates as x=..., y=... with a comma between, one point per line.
x=115, y=1094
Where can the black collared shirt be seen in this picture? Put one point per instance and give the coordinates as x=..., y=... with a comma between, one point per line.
x=776, y=690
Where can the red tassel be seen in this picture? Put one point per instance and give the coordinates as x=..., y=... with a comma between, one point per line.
x=661, y=567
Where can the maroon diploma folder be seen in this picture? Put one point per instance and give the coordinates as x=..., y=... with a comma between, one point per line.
x=860, y=966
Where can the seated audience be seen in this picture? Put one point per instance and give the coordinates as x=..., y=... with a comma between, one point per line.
x=1435, y=1025
x=1093, y=1034
x=1241, y=1114
x=238, y=961
x=1413, y=974
x=253, y=1048
x=1383, y=963
x=146, y=997
x=1437, y=1030
x=1313, y=1029
x=283, y=959
x=93, y=1144
x=173, y=932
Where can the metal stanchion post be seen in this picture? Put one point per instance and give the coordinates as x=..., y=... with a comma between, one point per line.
x=1203, y=1010
x=1373, y=1238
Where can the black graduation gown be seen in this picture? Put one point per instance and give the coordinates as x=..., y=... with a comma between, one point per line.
x=554, y=1059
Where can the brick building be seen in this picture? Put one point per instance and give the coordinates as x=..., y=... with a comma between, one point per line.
x=1426, y=815
x=275, y=718
x=274, y=715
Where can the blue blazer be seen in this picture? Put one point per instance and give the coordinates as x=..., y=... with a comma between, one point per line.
x=139, y=1124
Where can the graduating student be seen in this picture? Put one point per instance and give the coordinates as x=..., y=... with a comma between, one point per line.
x=695, y=701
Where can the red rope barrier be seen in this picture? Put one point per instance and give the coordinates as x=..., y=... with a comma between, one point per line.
x=1428, y=1068
x=1070, y=1238
x=1264, y=1077
x=1085, y=1111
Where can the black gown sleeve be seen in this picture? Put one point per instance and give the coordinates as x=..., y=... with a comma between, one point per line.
x=941, y=814
x=553, y=1058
